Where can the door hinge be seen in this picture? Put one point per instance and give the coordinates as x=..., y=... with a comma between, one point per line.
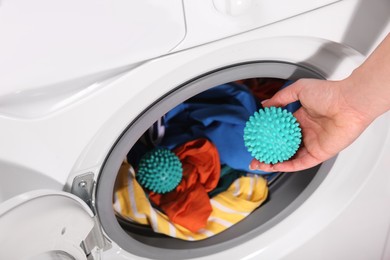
x=83, y=186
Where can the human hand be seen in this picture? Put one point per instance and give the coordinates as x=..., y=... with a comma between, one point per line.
x=328, y=122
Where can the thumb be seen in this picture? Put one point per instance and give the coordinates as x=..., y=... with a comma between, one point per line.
x=285, y=96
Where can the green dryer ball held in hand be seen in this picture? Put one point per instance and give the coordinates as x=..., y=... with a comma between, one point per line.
x=272, y=135
x=160, y=171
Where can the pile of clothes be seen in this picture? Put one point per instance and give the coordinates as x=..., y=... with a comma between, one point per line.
x=217, y=189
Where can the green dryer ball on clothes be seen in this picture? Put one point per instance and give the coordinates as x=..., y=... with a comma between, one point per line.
x=160, y=171
x=272, y=135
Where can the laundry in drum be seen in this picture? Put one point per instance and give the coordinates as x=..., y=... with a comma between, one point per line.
x=216, y=188
x=229, y=207
x=189, y=204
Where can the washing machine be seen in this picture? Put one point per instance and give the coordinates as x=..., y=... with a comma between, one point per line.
x=81, y=82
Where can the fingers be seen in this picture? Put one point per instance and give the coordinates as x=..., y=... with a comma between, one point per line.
x=256, y=165
x=301, y=161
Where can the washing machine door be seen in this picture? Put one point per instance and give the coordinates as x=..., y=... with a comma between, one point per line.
x=47, y=224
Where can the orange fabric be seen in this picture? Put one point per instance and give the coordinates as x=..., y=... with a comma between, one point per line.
x=189, y=204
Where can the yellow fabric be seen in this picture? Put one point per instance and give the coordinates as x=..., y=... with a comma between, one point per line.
x=229, y=207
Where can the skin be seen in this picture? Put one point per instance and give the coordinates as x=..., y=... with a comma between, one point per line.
x=334, y=113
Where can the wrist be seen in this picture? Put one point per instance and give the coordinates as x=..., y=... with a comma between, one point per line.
x=368, y=87
x=360, y=98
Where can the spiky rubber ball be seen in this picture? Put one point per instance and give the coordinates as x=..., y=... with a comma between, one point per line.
x=272, y=135
x=160, y=171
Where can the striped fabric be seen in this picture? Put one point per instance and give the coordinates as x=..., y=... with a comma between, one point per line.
x=229, y=207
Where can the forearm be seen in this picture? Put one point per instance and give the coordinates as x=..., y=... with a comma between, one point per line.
x=368, y=87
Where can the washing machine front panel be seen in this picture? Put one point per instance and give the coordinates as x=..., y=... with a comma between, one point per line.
x=324, y=58
x=80, y=134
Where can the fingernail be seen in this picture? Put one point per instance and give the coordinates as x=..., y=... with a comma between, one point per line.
x=264, y=101
x=254, y=165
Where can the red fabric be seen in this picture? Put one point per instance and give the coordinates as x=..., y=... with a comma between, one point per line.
x=263, y=88
x=189, y=205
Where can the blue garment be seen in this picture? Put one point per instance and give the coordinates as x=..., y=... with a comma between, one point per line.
x=219, y=114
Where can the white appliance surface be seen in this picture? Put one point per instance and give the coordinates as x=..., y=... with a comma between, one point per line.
x=75, y=74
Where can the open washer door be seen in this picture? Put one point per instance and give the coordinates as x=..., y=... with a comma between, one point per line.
x=50, y=225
